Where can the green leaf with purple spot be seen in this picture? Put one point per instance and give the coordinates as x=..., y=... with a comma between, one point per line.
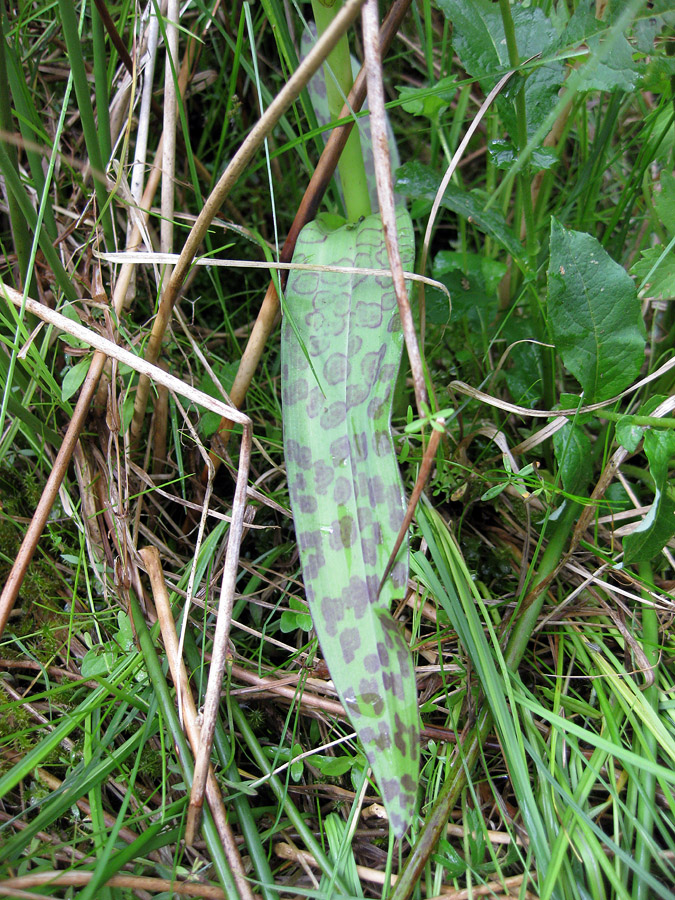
x=345, y=487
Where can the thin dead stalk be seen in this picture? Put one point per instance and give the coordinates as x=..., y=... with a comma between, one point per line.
x=169, y=132
x=221, y=636
x=18, y=571
x=18, y=887
x=82, y=408
x=422, y=477
x=385, y=194
x=375, y=876
x=153, y=566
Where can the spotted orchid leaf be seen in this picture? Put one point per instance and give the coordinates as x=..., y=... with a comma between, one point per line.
x=339, y=361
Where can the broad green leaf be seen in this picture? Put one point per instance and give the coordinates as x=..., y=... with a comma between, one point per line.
x=524, y=372
x=479, y=40
x=658, y=526
x=615, y=70
x=594, y=314
x=99, y=660
x=503, y=155
x=339, y=361
x=295, y=617
x=428, y=101
x=645, y=32
x=662, y=280
x=74, y=377
x=472, y=280
x=572, y=448
x=419, y=182
x=628, y=434
x=332, y=766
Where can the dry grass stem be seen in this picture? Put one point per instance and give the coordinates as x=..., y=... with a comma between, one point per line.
x=385, y=194
x=153, y=566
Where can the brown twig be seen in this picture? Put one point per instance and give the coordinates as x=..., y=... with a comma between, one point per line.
x=58, y=472
x=17, y=887
x=425, y=470
x=15, y=578
x=375, y=876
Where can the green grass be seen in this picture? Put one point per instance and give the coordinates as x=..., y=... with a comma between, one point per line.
x=541, y=627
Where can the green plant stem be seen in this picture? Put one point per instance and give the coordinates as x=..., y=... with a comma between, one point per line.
x=467, y=756
x=645, y=421
x=647, y=797
x=339, y=80
x=167, y=708
x=521, y=125
x=101, y=83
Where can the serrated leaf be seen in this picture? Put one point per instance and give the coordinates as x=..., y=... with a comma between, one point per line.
x=658, y=526
x=479, y=40
x=616, y=71
x=419, y=182
x=594, y=314
x=646, y=31
x=605, y=69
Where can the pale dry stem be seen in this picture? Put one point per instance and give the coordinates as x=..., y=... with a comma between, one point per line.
x=385, y=194
x=151, y=561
